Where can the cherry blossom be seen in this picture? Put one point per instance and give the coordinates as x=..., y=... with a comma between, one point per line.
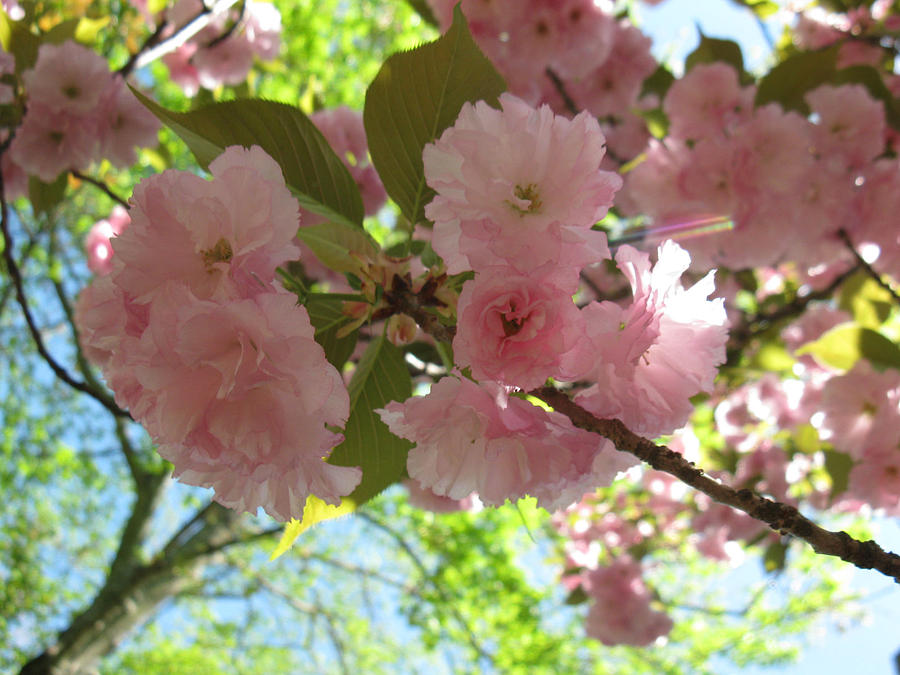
x=224, y=238
x=217, y=363
x=621, y=611
x=517, y=329
x=472, y=438
x=652, y=356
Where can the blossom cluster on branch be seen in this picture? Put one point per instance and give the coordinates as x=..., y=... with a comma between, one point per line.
x=270, y=344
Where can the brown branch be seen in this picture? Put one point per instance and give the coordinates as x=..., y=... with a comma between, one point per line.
x=231, y=29
x=741, y=335
x=782, y=518
x=867, y=267
x=151, y=41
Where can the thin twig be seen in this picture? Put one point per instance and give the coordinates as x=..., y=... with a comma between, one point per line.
x=866, y=266
x=560, y=87
x=782, y=518
x=151, y=40
x=231, y=29
x=426, y=576
x=16, y=276
x=103, y=186
x=741, y=335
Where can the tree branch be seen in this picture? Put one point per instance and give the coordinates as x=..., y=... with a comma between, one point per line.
x=740, y=336
x=866, y=266
x=100, y=396
x=782, y=518
x=426, y=576
x=561, y=90
x=402, y=300
x=96, y=182
x=151, y=52
x=134, y=589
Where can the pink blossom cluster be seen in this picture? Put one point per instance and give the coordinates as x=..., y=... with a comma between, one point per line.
x=862, y=418
x=598, y=61
x=474, y=437
x=15, y=180
x=767, y=170
x=343, y=128
x=223, y=52
x=856, y=413
x=598, y=539
x=621, y=612
x=218, y=363
x=518, y=191
x=77, y=113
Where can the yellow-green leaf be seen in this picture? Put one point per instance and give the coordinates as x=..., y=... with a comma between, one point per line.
x=314, y=512
x=87, y=30
x=866, y=300
x=845, y=344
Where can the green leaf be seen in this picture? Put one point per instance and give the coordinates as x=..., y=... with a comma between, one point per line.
x=788, y=82
x=16, y=39
x=380, y=377
x=578, y=596
x=712, y=50
x=87, y=30
x=866, y=300
x=772, y=357
x=844, y=345
x=311, y=169
x=415, y=96
x=334, y=242
x=45, y=196
x=314, y=512
x=838, y=466
x=326, y=316
x=656, y=120
x=658, y=83
x=64, y=30
x=762, y=8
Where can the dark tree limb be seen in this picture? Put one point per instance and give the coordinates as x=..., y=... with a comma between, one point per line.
x=135, y=588
x=782, y=518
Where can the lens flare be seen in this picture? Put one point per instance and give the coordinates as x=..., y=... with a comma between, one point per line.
x=680, y=230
